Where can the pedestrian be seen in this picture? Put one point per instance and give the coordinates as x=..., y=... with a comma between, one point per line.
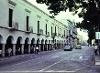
x=19, y=50
x=36, y=50
x=9, y=51
x=99, y=48
x=95, y=49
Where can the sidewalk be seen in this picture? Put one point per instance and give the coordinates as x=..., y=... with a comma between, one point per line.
x=27, y=55
x=97, y=60
x=97, y=64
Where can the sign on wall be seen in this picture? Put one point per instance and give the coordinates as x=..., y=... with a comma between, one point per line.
x=97, y=34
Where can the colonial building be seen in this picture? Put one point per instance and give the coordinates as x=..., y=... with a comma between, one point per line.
x=23, y=26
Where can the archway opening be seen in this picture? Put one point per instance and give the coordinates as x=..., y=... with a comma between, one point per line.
x=49, y=45
x=9, y=46
x=32, y=45
x=45, y=48
x=26, y=46
x=55, y=44
x=18, y=46
x=1, y=46
x=42, y=45
x=38, y=42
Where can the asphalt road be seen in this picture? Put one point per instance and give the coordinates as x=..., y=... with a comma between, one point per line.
x=57, y=61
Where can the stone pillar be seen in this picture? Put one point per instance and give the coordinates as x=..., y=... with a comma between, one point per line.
x=22, y=49
x=48, y=46
x=39, y=47
x=3, y=50
x=29, y=48
x=34, y=47
x=14, y=49
x=43, y=47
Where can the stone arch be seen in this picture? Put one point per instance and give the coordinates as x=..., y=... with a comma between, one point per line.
x=38, y=42
x=48, y=44
x=42, y=45
x=55, y=41
x=64, y=42
x=19, y=45
x=45, y=47
x=55, y=44
x=58, y=44
x=1, y=38
x=33, y=41
x=32, y=45
x=26, y=46
x=46, y=41
x=9, y=46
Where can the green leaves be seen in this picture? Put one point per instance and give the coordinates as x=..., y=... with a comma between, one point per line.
x=90, y=11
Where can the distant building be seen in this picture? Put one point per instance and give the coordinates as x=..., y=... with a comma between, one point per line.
x=23, y=26
x=72, y=36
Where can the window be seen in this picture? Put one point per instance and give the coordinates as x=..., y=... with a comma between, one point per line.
x=46, y=29
x=51, y=29
x=27, y=23
x=64, y=32
x=38, y=26
x=55, y=29
x=10, y=17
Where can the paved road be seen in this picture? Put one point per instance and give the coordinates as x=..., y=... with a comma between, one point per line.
x=58, y=61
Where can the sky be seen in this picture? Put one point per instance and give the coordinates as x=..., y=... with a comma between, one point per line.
x=62, y=16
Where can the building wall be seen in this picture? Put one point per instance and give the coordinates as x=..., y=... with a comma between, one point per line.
x=17, y=36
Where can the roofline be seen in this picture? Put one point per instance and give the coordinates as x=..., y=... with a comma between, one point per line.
x=41, y=10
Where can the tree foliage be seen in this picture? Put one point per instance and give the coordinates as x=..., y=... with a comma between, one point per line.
x=62, y=5
x=90, y=12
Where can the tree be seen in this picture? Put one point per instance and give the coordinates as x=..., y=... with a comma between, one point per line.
x=90, y=12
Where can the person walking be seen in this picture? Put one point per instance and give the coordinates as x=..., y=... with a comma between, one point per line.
x=36, y=50
x=9, y=51
x=96, y=49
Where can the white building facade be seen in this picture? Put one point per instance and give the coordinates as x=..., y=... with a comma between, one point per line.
x=23, y=26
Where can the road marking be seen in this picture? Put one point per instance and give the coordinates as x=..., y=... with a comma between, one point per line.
x=27, y=61
x=37, y=71
x=51, y=65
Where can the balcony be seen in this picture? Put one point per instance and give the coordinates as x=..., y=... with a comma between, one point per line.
x=14, y=26
x=30, y=30
x=48, y=34
x=53, y=35
x=40, y=32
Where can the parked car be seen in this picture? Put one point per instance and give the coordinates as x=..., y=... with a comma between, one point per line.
x=78, y=47
x=0, y=52
x=67, y=48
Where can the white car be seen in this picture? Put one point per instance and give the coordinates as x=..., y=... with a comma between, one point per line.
x=78, y=47
x=67, y=48
x=0, y=52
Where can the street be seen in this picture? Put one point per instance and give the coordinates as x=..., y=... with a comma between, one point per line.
x=55, y=61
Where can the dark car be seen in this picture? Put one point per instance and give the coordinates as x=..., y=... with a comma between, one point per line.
x=67, y=48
